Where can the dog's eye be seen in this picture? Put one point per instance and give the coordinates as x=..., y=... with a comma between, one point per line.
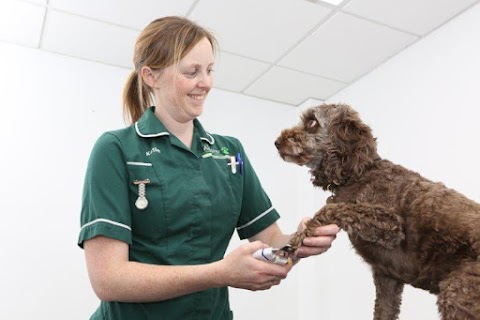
x=312, y=125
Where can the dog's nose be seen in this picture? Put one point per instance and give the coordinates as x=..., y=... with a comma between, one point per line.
x=277, y=143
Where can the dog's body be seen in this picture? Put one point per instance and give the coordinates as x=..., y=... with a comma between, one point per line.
x=409, y=229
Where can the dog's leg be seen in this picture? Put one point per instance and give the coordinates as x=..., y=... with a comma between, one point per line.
x=372, y=223
x=459, y=296
x=388, y=297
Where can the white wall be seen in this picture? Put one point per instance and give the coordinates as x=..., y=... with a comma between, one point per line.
x=423, y=106
x=52, y=108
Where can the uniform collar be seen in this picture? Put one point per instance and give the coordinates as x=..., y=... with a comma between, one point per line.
x=149, y=126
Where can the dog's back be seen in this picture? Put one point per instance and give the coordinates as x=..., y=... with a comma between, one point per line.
x=442, y=227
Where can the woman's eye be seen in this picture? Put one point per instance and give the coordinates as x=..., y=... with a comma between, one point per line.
x=194, y=73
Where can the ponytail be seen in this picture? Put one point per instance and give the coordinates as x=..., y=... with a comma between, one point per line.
x=136, y=98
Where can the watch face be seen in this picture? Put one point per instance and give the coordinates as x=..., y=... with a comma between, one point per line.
x=141, y=203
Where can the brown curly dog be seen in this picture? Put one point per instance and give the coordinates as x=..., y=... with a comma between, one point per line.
x=409, y=229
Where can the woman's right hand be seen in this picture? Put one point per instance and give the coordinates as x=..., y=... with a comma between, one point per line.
x=241, y=270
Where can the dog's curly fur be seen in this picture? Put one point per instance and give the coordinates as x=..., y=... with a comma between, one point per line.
x=409, y=229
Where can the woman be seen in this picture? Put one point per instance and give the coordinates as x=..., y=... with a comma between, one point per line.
x=162, y=197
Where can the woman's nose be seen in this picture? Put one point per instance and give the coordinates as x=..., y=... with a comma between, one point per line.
x=205, y=81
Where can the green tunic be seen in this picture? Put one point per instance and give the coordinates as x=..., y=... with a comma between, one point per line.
x=195, y=202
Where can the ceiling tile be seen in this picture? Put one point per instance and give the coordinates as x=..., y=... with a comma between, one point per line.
x=13, y=22
x=235, y=73
x=419, y=17
x=334, y=2
x=264, y=29
x=135, y=14
x=41, y=2
x=288, y=86
x=89, y=39
x=346, y=47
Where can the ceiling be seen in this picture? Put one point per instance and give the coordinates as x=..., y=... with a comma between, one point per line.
x=281, y=50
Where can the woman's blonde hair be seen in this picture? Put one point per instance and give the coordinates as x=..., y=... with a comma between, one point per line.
x=162, y=43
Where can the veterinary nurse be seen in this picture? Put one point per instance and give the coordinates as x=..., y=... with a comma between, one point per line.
x=163, y=196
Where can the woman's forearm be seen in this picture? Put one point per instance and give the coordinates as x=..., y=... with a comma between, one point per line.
x=140, y=282
x=115, y=278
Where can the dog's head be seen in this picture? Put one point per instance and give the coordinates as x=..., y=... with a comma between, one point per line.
x=332, y=141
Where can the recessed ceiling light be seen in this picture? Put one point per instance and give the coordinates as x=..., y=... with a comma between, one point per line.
x=332, y=2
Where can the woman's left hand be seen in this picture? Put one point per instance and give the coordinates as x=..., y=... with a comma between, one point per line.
x=320, y=242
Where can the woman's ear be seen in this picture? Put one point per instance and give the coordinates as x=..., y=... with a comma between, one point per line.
x=149, y=77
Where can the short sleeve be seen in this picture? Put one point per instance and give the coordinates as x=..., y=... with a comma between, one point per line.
x=105, y=207
x=257, y=212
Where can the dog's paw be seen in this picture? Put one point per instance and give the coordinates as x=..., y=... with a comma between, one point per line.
x=297, y=239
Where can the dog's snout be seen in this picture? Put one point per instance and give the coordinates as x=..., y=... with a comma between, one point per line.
x=277, y=143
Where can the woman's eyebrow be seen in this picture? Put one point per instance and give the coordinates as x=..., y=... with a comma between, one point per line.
x=197, y=65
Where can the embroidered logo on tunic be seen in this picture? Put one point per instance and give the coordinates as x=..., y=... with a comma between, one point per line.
x=214, y=153
x=224, y=150
x=153, y=150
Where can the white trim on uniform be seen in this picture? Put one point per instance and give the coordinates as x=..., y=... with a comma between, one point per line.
x=211, y=140
x=165, y=133
x=106, y=221
x=145, y=164
x=256, y=218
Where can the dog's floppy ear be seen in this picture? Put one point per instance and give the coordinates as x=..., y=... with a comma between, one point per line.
x=351, y=147
x=348, y=129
